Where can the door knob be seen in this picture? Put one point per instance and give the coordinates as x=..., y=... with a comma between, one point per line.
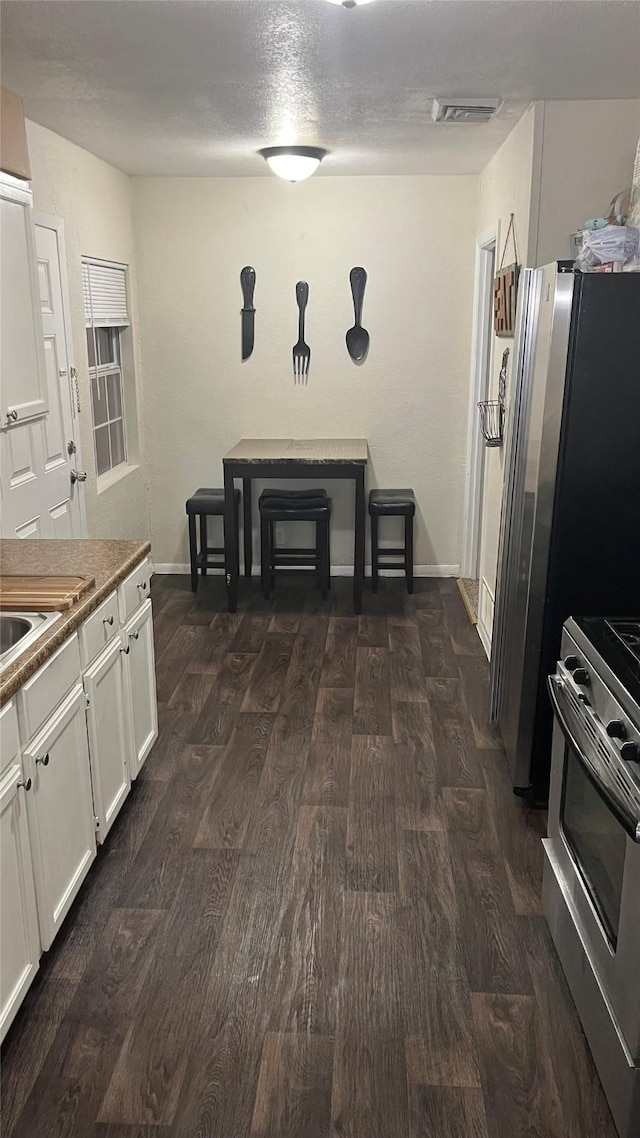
x=26, y=784
x=78, y=476
x=44, y=760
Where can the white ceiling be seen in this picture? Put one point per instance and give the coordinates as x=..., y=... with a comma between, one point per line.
x=195, y=87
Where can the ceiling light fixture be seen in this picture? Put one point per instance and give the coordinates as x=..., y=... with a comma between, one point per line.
x=293, y=163
x=350, y=3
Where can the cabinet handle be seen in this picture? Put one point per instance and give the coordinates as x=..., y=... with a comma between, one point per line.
x=134, y=635
x=26, y=784
x=44, y=760
x=126, y=650
x=107, y=620
x=142, y=585
x=12, y=415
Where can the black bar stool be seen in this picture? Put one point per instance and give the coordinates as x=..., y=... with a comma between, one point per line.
x=386, y=504
x=205, y=503
x=294, y=506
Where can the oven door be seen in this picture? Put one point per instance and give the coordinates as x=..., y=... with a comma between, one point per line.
x=591, y=835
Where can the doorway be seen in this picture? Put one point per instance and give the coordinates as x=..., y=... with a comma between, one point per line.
x=482, y=341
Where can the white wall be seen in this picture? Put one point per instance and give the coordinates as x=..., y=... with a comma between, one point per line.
x=415, y=238
x=95, y=202
x=505, y=187
x=588, y=148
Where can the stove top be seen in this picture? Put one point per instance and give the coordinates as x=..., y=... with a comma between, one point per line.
x=617, y=639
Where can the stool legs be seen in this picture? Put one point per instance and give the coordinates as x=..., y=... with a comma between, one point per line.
x=408, y=552
x=374, y=554
x=265, y=557
x=203, y=543
x=323, y=556
x=193, y=553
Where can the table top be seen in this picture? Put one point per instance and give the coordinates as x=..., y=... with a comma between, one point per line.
x=299, y=451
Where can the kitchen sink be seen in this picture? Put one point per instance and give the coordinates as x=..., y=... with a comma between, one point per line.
x=18, y=631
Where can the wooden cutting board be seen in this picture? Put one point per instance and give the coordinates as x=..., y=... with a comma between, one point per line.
x=42, y=594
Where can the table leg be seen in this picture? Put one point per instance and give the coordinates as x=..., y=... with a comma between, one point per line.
x=247, y=526
x=230, y=545
x=358, y=553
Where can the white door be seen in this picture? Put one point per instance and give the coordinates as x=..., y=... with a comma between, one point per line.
x=61, y=428
x=110, y=742
x=61, y=821
x=19, y=938
x=137, y=638
x=24, y=394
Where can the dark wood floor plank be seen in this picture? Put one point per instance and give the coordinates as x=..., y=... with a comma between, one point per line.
x=407, y=667
x=440, y=1044
x=583, y=1103
x=328, y=774
x=300, y=686
x=372, y=631
x=475, y=685
x=369, y=1083
x=305, y=981
x=372, y=852
x=454, y=742
x=411, y=723
x=418, y=794
x=147, y=1079
x=66, y=1095
x=427, y=594
x=293, y=1099
x=188, y=700
x=185, y=643
x=371, y=702
x=216, y=720
x=339, y=664
x=520, y=1093
x=333, y=720
x=464, y=635
x=228, y=808
x=437, y=651
x=137, y=814
x=447, y=1112
x=520, y=831
x=491, y=938
x=265, y=686
x=160, y=862
x=114, y=1130
x=251, y=633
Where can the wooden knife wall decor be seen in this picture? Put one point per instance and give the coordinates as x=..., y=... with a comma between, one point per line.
x=505, y=289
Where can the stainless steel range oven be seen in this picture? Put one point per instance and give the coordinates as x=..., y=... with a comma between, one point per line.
x=592, y=866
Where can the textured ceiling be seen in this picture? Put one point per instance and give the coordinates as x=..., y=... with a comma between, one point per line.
x=195, y=87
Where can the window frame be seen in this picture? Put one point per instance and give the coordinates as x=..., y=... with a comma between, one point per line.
x=107, y=374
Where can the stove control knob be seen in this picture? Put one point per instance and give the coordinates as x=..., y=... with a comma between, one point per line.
x=616, y=729
x=630, y=752
x=571, y=663
x=581, y=676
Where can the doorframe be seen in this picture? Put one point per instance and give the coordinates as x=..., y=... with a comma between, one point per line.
x=50, y=221
x=481, y=345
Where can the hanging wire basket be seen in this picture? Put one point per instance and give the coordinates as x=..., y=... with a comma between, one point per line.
x=492, y=422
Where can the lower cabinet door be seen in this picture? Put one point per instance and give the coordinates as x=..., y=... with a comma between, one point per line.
x=19, y=938
x=61, y=820
x=140, y=668
x=110, y=742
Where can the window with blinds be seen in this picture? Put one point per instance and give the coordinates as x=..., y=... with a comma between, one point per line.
x=104, y=286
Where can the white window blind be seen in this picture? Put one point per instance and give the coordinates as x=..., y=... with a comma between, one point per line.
x=104, y=287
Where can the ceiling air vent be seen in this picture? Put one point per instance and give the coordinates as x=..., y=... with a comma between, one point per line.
x=465, y=110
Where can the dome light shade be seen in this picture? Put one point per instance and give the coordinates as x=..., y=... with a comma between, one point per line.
x=350, y=3
x=293, y=163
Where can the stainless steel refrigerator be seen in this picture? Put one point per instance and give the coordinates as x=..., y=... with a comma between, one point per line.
x=570, y=524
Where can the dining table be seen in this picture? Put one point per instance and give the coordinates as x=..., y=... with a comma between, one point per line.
x=339, y=459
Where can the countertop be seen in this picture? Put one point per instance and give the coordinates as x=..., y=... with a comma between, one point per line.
x=108, y=561
x=298, y=451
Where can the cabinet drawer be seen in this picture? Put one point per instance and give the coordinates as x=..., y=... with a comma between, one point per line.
x=134, y=589
x=9, y=737
x=44, y=691
x=99, y=629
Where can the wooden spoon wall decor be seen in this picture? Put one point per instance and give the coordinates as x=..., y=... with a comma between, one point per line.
x=358, y=337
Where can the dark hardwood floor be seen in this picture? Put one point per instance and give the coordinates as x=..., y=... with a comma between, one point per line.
x=319, y=912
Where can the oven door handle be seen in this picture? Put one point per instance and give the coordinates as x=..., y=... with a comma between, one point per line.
x=626, y=817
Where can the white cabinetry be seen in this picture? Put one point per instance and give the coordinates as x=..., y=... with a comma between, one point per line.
x=61, y=821
x=19, y=939
x=140, y=672
x=110, y=741
x=24, y=383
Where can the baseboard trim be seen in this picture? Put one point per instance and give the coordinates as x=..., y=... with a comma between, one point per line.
x=336, y=570
x=486, y=601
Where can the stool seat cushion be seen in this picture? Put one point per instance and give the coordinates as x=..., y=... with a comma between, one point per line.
x=293, y=495
x=209, y=501
x=313, y=510
x=392, y=502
